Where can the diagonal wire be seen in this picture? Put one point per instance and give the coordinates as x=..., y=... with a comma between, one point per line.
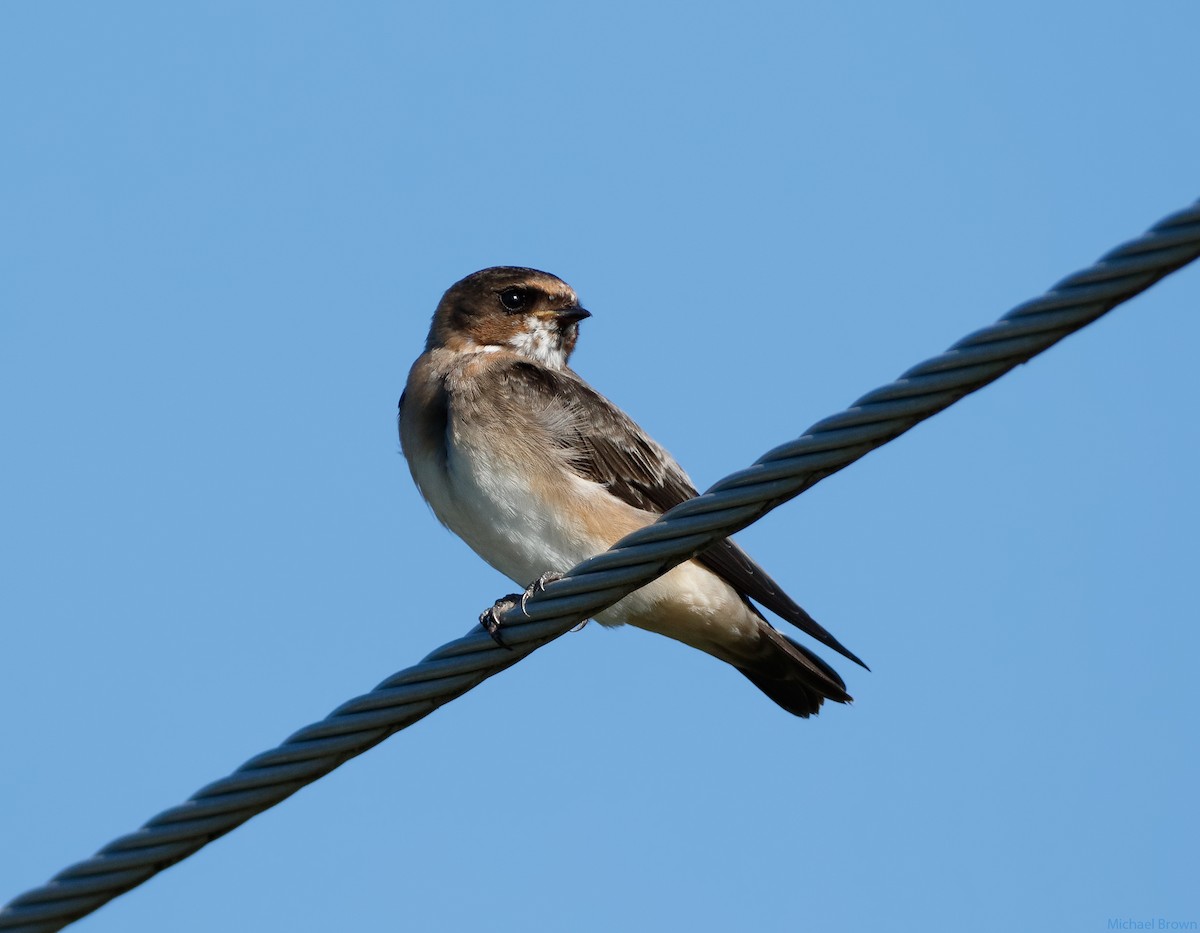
x=598, y=582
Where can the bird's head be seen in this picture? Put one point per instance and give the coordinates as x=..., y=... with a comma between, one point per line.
x=532, y=313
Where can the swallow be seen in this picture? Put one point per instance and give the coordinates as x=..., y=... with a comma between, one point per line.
x=536, y=471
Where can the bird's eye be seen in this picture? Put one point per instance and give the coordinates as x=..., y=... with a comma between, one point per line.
x=514, y=299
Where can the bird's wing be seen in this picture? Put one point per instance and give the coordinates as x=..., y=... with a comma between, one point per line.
x=601, y=442
x=737, y=568
x=604, y=445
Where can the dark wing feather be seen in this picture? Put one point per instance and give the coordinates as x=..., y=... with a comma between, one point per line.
x=608, y=448
x=602, y=442
x=738, y=569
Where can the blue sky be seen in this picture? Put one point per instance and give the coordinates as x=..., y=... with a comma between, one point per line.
x=224, y=228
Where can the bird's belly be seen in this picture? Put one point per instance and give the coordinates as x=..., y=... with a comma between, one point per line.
x=518, y=520
x=523, y=523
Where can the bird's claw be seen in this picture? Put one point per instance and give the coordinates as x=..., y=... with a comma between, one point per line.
x=490, y=618
x=550, y=576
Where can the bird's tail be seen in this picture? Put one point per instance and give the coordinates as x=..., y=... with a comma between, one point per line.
x=790, y=674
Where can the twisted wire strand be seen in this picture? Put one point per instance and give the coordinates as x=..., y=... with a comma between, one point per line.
x=680, y=534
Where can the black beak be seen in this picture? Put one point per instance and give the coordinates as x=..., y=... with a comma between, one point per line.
x=572, y=315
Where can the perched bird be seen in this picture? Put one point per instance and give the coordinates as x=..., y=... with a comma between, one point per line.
x=537, y=471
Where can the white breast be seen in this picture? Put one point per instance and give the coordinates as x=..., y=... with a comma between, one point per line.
x=504, y=516
x=507, y=520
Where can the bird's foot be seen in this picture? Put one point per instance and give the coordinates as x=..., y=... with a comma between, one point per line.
x=550, y=576
x=490, y=618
